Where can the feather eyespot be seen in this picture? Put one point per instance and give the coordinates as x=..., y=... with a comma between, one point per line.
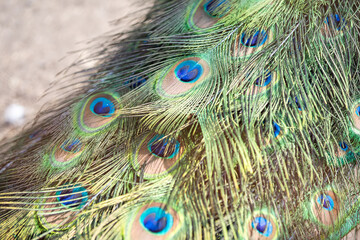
x=72, y=146
x=334, y=25
x=326, y=207
x=52, y=211
x=75, y=197
x=156, y=220
x=326, y=201
x=336, y=21
x=189, y=71
x=274, y=134
x=207, y=13
x=98, y=112
x=182, y=77
x=254, y=40
x=250, y=42
x=164, y=147
x=262, y=82
x=66, y=155
x=343, y=146
x=357, y=111
x=102, y=106
x=262, y=226
x=342, y=155
x=356, y=116
x=277, y=130
x=157, y=156
x=153, y=221
x=217, y=8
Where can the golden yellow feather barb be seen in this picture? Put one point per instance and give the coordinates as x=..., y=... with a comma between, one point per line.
x=211, y=119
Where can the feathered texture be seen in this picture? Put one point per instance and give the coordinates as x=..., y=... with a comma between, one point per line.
x=212, y=119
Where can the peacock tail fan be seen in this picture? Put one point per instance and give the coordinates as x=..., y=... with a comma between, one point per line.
x=210, y=119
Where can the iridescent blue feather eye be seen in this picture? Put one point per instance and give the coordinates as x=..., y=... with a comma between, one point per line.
x=336, y=21
x=164, y=147
x=217, y=8
x=102, y=107
x=189, y=71
x=72, y=146
x=326, y=202
x=262, y=82
x=156, y=220
x=153, y=224
x=277, y=129
x=343, y=146
x=254, y=40
x=357, y=111
x=73, y=198
x=262, y=226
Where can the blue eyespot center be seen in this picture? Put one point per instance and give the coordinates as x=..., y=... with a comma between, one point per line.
x=73, y=198
x=262, y=226
x=153, y=224
x=189, y=71
x=254, y=40
x=163, y=147
x=264, y=81
x=357, y=111
x=343, y=146
x=336, y=21
x=156, y=221
x=277, y=129
x=103, y=107
x=217, y=8
x=186, y=74
x=326, y=202
x=72, y=146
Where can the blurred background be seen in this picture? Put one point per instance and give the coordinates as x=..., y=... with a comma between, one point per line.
x=35, y=36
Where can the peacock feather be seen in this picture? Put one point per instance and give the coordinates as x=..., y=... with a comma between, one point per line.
x=210, y=119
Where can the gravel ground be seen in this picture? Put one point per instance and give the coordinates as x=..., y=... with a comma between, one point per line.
x=35, y=35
